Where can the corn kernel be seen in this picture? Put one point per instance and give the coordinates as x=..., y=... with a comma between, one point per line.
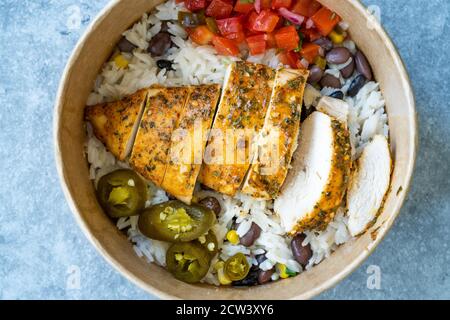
x=233, y=237
x=337, y=38
x=282, y=270
x=223, y=279
x=320, y=62
x=121, y=62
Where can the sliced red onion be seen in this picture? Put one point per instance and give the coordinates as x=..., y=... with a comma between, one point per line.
x=309, y=24
x=258, y=6
x=292, y=17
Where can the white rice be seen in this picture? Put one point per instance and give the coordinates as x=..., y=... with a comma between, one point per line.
x=199, y=65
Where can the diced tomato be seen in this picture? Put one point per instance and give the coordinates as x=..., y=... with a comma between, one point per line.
x=243, y=6
x=251, y=20
x=229, y=25
x=257, y=44
x=276, y=4
x=195, y=5
x=266, y=21
x=325, y=20
x=225, y=46
x=291, y=59
x=266, y=4
x=270, y=40
x=237, y=37
x=200, y=35
x=219, y=9
x=306, y=8
x=310, y=51
x=287, y=38
x=311, y=34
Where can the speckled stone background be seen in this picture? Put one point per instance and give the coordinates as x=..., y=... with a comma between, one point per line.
x=41, y=245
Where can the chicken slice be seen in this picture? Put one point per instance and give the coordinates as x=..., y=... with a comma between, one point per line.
x=240, y=116
x=278, y=138
x=149, y=156
x=368, y=185
x=335, y=108
x=316, y=184
x=189, y=142
x=116, y=123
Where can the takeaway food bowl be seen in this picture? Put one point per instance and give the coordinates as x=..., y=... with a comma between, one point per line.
x=90, y=54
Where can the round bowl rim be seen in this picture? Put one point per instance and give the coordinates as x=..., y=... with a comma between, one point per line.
x=332, y=281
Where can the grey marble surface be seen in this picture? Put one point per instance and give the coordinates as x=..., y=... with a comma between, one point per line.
x=41, y=246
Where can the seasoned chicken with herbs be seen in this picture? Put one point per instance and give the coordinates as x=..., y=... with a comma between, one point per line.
x=116, y=123
x=189, y=141
x=369, y=184
x=150, y=154
x=278, y=138
x=316, y=184
x=240, y=116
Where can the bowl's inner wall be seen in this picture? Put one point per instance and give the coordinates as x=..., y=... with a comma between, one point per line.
x=79, y=78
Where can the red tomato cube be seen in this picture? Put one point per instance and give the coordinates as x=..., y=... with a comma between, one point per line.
x=266, y=21
x=306, y=8
x=200, y=35
x=281, y=4
x=325, y=20
x=237, y=37
x=219, y=9
x=243, y=6
x=195, y=5
x=256, y=44
x=310, y=51
x=229, y=25
x=287, y=38
x=225, y=46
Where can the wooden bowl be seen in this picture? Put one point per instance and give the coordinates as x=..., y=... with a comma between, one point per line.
x=69, y=134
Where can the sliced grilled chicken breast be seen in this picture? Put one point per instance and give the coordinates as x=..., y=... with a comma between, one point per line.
x=278, y=139
x=116, y=123
x=240, y=115
x=316, y=184
x=368, y=186
x=189, y=142
x=149, y=156
x=335, y=108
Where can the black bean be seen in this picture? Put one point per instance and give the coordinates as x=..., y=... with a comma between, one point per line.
x=125, y=46
x=330, y=81
x=301, y=253
x=265, y=276
x=337, y=95
x=315, y=74
x=348, y=70
x=212, y=203
x=250, y=280
x=164, y=26
x=159, y=44
x=356, y=85
x=338, y=55
x=363, y=66
x=164, y=64
x=325, y=43
x=260, y=258
x=250, y=237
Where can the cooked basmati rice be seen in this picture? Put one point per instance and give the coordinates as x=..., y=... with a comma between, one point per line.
x=199, y=65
